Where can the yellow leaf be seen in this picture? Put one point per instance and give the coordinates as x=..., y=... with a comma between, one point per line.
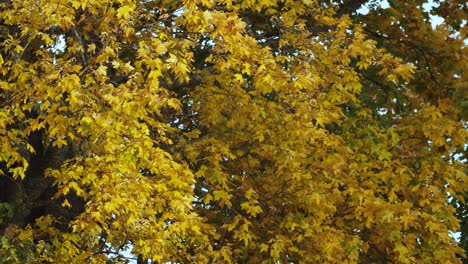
x=125, y=11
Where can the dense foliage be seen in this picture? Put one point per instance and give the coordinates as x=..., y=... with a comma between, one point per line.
x=267, y=131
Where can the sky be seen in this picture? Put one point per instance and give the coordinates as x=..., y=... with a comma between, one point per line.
x=435, y=20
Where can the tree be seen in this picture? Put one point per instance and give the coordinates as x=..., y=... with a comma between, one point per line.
x=232, y=131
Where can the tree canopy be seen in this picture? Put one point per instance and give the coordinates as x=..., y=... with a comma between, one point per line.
x=266, y=131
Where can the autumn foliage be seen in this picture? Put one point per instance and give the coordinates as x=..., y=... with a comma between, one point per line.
x=227, y=131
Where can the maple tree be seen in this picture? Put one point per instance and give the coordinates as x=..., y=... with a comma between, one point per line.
x=232, y=131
